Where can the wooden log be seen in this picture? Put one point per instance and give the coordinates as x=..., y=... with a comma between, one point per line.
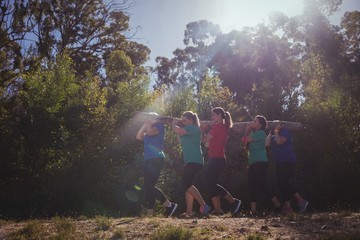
x=237, y=126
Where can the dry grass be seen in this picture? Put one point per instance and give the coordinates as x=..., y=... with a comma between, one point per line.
x=335, y=226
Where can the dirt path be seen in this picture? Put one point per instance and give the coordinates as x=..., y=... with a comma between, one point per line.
x=306, y=226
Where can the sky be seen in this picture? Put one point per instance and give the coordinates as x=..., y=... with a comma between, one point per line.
x=161, y=23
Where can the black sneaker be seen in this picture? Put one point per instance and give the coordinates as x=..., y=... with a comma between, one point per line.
x=236, y=206
x=170, y=210
x=303, y=206
x=215, y=213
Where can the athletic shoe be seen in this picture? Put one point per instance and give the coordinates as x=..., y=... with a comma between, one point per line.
x=185, y=216
x=205, y=209
x=303, y=206
x=170, y=210
x=215, y=213
x=236, y=206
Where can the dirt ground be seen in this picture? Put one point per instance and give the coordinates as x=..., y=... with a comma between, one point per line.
x=341, y=225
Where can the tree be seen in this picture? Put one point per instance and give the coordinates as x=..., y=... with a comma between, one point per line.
x=13, y=29
x=88, y=31
x=327, y=96
x=350, y=26
x=190, y=64
x=63, y=145
x=60, y=111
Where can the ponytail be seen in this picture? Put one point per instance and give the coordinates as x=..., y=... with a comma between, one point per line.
x=225, y=115
x=193, y=116
x=228, y=120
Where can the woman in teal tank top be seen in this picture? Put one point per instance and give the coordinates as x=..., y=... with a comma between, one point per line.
x=254, y=140
x=190, y=139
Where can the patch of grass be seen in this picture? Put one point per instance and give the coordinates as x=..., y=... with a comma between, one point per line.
x=219, y=228
x=320, y=217
x=172, y=233
x=255, y=236
x=33, y=230
x=82, y=218
x=154, y=223
x=118, y=234
x=65, y=229
x=103, y=223
x=201, y=233
x=3, y=222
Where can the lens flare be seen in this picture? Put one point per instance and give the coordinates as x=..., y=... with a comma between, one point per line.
x=132, y=196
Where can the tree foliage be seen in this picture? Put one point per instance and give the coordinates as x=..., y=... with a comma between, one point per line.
x=71, y=81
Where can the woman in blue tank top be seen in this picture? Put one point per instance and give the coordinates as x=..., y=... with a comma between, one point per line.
x=152, y=133
x=283, y=154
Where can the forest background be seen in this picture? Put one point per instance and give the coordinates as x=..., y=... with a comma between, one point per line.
x=71, y=80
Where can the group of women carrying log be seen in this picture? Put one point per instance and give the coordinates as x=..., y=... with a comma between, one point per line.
x=191, y=135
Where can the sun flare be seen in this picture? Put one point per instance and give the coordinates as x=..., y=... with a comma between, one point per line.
x=234, y=14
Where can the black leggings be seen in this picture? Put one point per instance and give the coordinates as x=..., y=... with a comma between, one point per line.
x=257, y=181
x=213, y=171
x=152, y=171
x=189, y=174
x=284, y=172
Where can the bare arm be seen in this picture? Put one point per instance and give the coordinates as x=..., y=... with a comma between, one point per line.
x=207, y=138
x=146, y=129
x=246, y=138
x=141, y=133
x=279, y=139
x=177, y=129
x=268, y=140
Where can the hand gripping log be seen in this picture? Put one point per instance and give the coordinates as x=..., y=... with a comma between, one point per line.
x=237, y=126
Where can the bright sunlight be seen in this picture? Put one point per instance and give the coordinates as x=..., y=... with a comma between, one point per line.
x=235, y=14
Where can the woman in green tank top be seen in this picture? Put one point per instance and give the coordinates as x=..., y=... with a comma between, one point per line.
x=190, y=139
